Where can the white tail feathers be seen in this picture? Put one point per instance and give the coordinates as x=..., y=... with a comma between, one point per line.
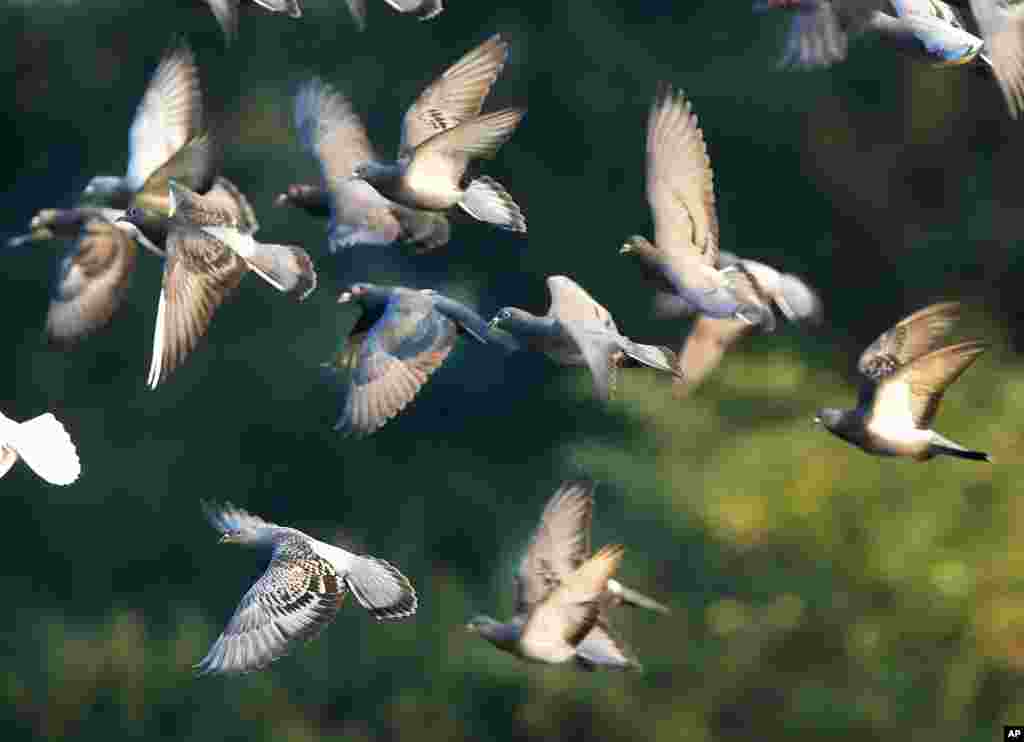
x=46, y=447
x=488, y=201
x=381, y=589
x=286, y=268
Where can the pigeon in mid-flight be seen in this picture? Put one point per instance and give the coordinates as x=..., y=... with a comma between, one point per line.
x=402, y=336
x=226, y=12
x=298, y=595
x=986, y=34
x=681, y=194
x=359, y=215
x=422, y=9
x=210, y=247
x=906, y=371
x=442, y=133
x=563, y=593
x=577, y=331
x=43, y=444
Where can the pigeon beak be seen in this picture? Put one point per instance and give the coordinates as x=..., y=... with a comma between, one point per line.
x=224, y=539
x=470, y=628
x=817, y=420
x=626, y=249
x=281, y=200
x=346, y=296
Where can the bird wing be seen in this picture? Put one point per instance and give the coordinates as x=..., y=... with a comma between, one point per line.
x=446, y=156
x=705, y=346
x=291, y=603
x=193, y=166
x=388, y=364
x=199, y=273
x=680, y=182
x=911, y=337
x=331, y=131
x=916, y=389
x=291, y=7
x=603, y=648
x=456, y=96
x=570, y=302
x=358, y=10
x=226, y=197
x=572, y=609
x=818, y=33
x=93, y=279
x=226, y=13
x=169, y=114
x=1002, y=28
x=558, y=546
x=221, y=211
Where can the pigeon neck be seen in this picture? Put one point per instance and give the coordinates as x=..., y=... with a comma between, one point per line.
x=502, y=635
x=530, y=326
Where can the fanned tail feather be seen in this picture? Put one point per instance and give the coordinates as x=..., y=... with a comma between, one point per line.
x=288, y=269
x=487, y=201
x=381, y=589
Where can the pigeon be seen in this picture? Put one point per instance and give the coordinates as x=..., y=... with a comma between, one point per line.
x=563, y=593
x=709, y=337
x=986, y=34
x=681, y=194
x=93, y=278
x=169, y=116
x=65, y=224
x=209, y=248
x=442, y=132
x=577, y=331
x=906, y=371
x=226, y=12
x=43, y=444
x=330, y=130
x=298, y=595
x=402, y=336
x=423, y=9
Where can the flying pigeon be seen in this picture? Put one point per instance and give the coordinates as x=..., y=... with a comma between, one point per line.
x=987, y=34
x=423, y=9
x=563, y=593
x=709, y=337
x=402, y=336
x=330, y=130
x=226, y=12
x=680, y=191
x=442, y=132
x=907, y=371
x=209, y=248
x=299, y=594
x=577, y=331
x=43, y=444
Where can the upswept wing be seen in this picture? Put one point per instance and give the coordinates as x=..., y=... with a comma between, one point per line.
x=911, y=337
x=558, y=546
x=456, y=96
x=680, y=182
x=169, y=114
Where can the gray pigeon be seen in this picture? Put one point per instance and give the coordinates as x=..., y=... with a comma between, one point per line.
x=298, y=595
x=709, y=337
x=563, y=593
x=43, y=444
x=226, y=12
x=906, y=373
x=330, y=130
x=209, y=248
x=402, y=336
x=442, y=132
x=423, y=9
x=987, y=34
x=577, y=331
x=681, y=193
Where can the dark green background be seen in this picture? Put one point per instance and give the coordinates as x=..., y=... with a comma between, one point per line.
x=816, y=591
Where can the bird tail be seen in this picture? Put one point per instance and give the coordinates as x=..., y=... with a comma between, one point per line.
x=381, y=589
x=488, y=201
x=288, y=269
x=941, y=445
x=815, y=38
x=654, y=356
x=46, y=447
x=797, y=300
x=632, y=597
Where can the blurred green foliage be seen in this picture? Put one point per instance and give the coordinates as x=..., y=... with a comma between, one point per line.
x=817, y=591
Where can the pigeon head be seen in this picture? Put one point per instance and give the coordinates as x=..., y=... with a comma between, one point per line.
x=478, y=624
x=831, y=418
x=639, y=247
x=513, y=320
x=367, y=294
x=237, y=526
x=152, y=224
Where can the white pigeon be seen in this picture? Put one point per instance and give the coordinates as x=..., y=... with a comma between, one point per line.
x=43, y=444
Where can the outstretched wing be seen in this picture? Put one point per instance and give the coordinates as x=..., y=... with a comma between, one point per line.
x=291, y=603
x=456, y=96
x=911, y=337
x=559, y=545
